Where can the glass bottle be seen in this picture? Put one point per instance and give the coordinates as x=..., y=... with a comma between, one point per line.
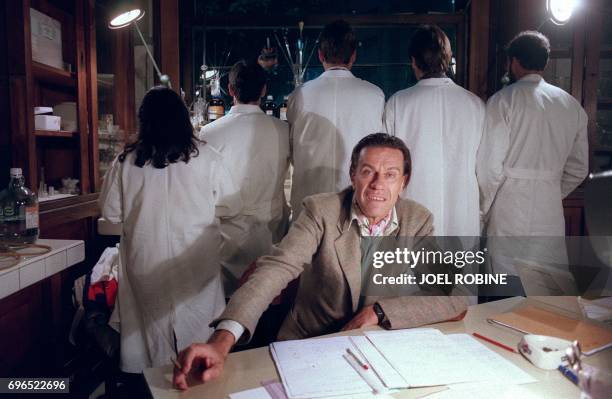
x=216, y=109
x=269, y=107
x=283, y=109
x=18, y=212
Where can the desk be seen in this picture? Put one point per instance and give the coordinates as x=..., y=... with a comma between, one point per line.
x=245, y=370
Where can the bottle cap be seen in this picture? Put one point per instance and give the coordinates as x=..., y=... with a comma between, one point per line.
x=270, y=97
x=16, y=172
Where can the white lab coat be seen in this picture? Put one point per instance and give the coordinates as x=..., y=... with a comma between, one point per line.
x=257, y=148
x=328, y=116
x=441, y=123
x=169, y=279
x=533, y=153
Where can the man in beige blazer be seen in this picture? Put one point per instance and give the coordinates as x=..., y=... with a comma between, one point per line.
x=323, y=248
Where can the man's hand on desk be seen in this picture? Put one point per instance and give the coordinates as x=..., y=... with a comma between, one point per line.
x=365, y=317
x=203, y=361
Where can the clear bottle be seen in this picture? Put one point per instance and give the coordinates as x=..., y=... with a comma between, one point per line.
x=283, y=109
x=18, y=212
x=270, y=107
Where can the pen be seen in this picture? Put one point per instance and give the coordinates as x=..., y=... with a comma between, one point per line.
x=489, y=340
x=569, y=374
x=369, y=377
x=357, y=359
x=176, y=364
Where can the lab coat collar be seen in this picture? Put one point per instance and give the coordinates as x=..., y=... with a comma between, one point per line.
x=337, y=73
x=435, y=82
x=245, y=109
x=532, y=77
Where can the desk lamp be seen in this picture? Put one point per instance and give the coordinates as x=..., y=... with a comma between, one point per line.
x=129, y=13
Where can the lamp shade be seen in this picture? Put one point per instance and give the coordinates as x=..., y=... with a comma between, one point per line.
x=124, y=13
x=560, y=11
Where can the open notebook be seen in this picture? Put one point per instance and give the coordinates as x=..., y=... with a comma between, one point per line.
x=316, y=368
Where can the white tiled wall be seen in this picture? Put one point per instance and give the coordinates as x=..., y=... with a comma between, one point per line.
x=55, y=263
x=32, y=273
x=64, y=254
x=9, y=283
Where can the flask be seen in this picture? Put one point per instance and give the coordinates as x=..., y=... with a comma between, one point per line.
x=269, y=107
x=18, y=212
x=283, y=109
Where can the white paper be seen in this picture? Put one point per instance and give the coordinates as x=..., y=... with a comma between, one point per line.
x=261, y=393
x=484, y=391
x=388, y=375
x=315, y=368
x=424, y=356
x=256, y=393
x=368, y=395
x=489, y=365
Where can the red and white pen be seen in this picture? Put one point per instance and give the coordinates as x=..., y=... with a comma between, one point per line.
x=489, y=340
x=364, y=371
x=357, y=359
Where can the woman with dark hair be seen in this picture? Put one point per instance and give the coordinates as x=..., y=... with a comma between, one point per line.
x=168, y=189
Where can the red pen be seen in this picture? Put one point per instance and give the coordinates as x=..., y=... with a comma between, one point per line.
x=489, y=340
x=357, y=359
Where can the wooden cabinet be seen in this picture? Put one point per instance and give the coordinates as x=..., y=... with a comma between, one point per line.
x=31, y=83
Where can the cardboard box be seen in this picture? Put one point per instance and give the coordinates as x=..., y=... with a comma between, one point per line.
x=47, y=122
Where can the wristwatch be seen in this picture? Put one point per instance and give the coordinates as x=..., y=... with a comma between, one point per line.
x=380, y=314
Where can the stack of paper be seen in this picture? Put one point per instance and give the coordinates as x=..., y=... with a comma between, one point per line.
x=318, y=368
x=426, y=357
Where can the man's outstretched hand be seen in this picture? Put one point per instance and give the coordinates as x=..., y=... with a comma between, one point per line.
x=204, y=362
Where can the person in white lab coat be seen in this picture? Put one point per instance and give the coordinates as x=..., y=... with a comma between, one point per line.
x=257, y=147
x=328, y=116
x=534, y=150
x=167, y=189
x=442, y=125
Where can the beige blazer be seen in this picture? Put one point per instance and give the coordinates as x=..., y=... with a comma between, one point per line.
x=323, y=248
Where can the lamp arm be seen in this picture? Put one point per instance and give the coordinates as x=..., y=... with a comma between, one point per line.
x=159, y=74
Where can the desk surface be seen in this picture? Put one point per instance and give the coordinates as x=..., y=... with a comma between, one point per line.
x=246, y=370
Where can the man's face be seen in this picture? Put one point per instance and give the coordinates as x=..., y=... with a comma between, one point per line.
x=378, y=180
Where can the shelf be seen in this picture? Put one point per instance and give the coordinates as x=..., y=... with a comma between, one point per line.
x=54, y=133
x=49, y=74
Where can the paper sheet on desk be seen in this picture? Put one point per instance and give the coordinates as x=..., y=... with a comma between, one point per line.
x=315, y=368
x=483, y=391
x=255, y=393
x=490, y=366
x=423, y=356
x=387, y=374
x=262, y=393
